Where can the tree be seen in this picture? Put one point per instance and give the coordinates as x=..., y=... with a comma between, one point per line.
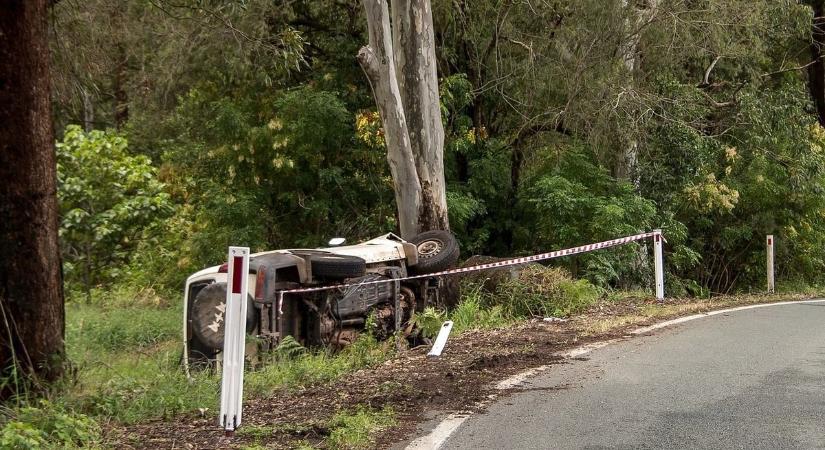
x=816, y=70
x=31, y=285
x=401, y=67
x=110, y=202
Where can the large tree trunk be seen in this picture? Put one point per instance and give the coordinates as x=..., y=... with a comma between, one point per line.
x=401, y=67
x=376, y=60
x=816, y=71
x=416, y=67
x=31, y=287
x=637, y=14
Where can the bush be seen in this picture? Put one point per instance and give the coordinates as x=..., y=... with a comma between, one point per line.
x=110, y=201
x=540, y=291
x=47, y=426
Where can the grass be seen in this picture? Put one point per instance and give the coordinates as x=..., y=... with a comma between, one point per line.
x=357, y=429
x=125, y=351
x=307, y=368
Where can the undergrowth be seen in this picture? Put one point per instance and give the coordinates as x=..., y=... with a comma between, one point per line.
x=124, y=348
x=533, y=291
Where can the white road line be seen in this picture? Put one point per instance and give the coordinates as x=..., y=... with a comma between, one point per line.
x=668, y=323
x=439, y=435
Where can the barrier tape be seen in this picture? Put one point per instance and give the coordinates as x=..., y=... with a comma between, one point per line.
x=493, y=265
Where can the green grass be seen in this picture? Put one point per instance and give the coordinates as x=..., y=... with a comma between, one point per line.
x=357, y=430
x=308, y=368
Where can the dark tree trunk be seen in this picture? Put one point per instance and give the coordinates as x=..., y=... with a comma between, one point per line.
x=816, y=71
x=31, y=285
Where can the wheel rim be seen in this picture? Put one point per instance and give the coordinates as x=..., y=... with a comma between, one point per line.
x=430, y=248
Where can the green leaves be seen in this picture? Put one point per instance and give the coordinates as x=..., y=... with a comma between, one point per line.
x=110, y=200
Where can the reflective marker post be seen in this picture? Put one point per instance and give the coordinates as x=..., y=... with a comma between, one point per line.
x=441, y=340
x=658, y=264
x=771, y=286
x=234, y=340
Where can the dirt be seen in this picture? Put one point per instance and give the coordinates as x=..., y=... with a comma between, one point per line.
x=412, y=384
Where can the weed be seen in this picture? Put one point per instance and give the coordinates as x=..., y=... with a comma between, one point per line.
x=306, y=368
x=47, y=425
x=429, y=321
x=540, y=291
x=471, y=314
x=357, y=430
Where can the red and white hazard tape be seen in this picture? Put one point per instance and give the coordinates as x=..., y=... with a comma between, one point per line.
x=505, y=263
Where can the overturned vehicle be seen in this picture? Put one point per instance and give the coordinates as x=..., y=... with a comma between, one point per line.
x=330, y=318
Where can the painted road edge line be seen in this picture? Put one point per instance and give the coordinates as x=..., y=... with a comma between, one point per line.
x=439, y=435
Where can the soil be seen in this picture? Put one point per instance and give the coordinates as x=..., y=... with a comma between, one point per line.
x=412, y=384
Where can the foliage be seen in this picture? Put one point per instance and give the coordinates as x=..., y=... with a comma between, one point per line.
x=110, y=201
x=542, y=292
x=47, y=425
x=536, y=291
x=570, y=202
x=264, y=132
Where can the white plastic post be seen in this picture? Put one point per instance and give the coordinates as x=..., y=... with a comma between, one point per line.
x=441, y=339
x=771, y=285
x=234, y=340
x=658, y=265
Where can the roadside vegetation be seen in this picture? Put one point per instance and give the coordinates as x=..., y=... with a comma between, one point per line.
x=185, y=127
x=125, y=351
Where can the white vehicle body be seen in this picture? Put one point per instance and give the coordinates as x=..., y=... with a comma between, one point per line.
x=386, y=256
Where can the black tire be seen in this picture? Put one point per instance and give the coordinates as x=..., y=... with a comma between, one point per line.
x=337, y=267
x=200, y=356
x=207, y=315
x=437, y=250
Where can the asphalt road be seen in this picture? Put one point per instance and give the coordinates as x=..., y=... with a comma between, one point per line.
x=752, y=379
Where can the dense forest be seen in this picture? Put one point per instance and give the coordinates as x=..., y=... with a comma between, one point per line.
x=185, y=126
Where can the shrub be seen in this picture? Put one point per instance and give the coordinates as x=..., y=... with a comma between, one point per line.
x=48, y=425
x=110, y=200
x=540, y=291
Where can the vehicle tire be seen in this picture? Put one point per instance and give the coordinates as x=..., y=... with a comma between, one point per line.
x=437, y=250
x=337, y=267
x=199, y=356
x=207, y=315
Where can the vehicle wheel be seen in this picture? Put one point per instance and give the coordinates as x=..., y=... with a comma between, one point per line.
x=200, y=356
x=207, y=315
x=437, y=251
x=337, y=267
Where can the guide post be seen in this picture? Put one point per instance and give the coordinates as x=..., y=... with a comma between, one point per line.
x=234, y=341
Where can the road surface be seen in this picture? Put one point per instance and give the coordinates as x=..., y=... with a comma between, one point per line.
x=752, y=379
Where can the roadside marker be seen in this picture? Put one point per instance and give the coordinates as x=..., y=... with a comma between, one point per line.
x=441, y=340
x=234, y=340
x=771, y=284
x=658, y=264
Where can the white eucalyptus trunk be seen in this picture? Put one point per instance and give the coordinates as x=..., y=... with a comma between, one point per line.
x=638, y=13
x=415, y=65
x=376, y=60
x=401, y=66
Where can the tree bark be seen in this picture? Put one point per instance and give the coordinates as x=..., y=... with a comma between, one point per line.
x=416, y=67
x=31, y=285
x=638, y=12
x=816, y=71
x=376, y=60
